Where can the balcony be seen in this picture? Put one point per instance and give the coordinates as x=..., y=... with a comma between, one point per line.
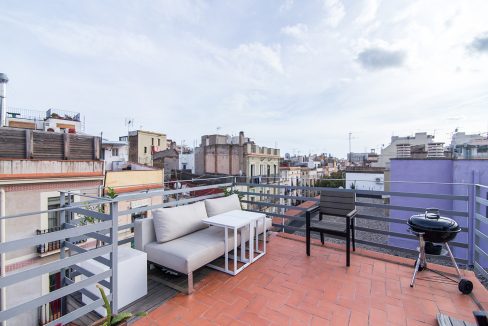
x=285, y=286
x=49, y=248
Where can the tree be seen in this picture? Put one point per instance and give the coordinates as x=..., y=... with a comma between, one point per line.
x=333, y=181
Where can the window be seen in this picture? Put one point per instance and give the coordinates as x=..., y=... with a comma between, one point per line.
x=115, y=152
x=159, y=142
x=152, y=141
x=54, y=218
x=145, y=150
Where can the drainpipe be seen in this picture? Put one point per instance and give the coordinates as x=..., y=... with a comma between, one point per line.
x=3, y=292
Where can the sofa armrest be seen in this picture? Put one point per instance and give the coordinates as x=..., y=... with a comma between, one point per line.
x=143, y=233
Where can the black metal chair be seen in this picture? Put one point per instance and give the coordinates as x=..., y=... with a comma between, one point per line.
x=338, y=204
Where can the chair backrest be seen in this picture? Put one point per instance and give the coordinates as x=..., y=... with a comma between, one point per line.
x=337, y=203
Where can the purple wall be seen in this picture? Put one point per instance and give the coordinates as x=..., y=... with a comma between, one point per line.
x=405, y=173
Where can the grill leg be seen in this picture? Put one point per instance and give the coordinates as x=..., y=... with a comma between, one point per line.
x=417, y=265
x=453, y=260
x=421, y=261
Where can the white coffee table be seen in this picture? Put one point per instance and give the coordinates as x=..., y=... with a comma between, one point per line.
x=255, y=218
x=238, y=220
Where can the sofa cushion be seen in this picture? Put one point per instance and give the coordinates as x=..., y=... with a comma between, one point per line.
x=172, y=223
x=222, y=205
x=190, y=252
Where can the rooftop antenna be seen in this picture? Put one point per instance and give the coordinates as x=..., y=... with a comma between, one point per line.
x=129, y=123
x=350, y=153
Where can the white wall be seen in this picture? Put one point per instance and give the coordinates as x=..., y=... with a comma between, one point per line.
x=365, y=181
x=109, y=158
x=189, y=160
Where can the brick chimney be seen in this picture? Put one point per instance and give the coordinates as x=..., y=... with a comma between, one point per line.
x=241, y=138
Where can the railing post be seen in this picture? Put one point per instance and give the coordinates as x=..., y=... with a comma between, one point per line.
x=476, y=222
x=62, y=253
x=471, y=209
x=114, y=255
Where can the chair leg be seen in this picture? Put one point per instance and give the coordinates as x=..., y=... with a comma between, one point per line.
x=353, y=235
x=307, y=232
x=348, y=243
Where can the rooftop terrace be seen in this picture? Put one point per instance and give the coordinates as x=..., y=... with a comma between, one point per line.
x=288, y=288
x=285, y=287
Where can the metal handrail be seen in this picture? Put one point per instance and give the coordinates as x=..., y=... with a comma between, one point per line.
x=109, y=230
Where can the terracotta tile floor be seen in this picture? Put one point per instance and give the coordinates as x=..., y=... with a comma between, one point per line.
x=286, y=287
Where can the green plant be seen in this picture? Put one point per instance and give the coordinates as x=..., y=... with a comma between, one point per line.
x=111, y=193
x=100, y=208
x=119, y=318
x=231, y=191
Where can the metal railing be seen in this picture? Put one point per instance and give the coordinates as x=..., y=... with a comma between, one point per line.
x=70, y=256
x=94, y=219
x=108, y=231
x=276, y=204
x=480, y=236
x=52, y=246
x=20, y=113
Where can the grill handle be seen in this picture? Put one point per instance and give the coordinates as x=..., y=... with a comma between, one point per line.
x=432, y=213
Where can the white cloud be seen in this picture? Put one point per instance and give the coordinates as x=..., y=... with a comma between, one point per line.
x=334, y=12
x=298, y=30
x=369, y=11
x=286, y=5
x=185, y=67
x=90, y=40
x=256, y=56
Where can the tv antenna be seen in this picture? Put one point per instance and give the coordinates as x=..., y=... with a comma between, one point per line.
x=129, y=123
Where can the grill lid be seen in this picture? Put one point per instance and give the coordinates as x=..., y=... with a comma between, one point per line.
x=432, y=221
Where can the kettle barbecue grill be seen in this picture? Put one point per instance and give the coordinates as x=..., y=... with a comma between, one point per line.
x=432, y=228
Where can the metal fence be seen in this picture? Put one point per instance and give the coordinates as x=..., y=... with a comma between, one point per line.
x=99, y=219
x=71, y=254
x=94, y=219
x=274, y=198
x=481, y=231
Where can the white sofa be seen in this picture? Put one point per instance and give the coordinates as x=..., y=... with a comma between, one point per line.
x=176, y=237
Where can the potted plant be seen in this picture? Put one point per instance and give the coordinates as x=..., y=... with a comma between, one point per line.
x=119, y=319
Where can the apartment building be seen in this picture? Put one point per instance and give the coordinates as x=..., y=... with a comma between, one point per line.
x=115, y=154
x=463, y=146
x=143, y=144
x=223, y=154
x=402, y=145
x=167, y=160
x=52, y=120
x=34, y=167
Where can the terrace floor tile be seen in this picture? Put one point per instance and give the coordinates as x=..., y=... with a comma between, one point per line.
x=285, y=287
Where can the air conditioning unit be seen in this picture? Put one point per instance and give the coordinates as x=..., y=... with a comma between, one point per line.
x=50, y=127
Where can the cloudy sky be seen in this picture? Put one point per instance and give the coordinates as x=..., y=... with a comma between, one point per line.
x=298, y=74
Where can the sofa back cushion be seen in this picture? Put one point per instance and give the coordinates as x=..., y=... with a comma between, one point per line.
x=175, y=222
x=222, y=205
